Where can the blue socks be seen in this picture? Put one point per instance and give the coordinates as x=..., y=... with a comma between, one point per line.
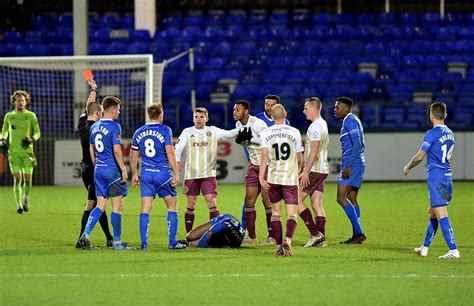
x=116, y=220
x=431, y=232
x=352, y=215
x=448, y=233
x=172, y=220
x=144, y=225
x=357, y=210
x=92, y=221
x=242, y=219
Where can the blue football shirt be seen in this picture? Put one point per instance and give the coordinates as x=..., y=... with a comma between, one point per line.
x=439, y=146
x=151, y=140
x=269, y=121
x=104, y=134
x=352, y=142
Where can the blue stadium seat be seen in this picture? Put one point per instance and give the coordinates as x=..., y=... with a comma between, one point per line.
x=400, y=93
x=289, y=94
x=466, y=33
x=257, y=18
x=358, y=92
x=431, y=19
x=280, y=61
x=138, y=48
x=222, y=48
x=108, y=20
x=387, y=19
x=418, y=47
x=99, y=36
x=384, y=77
x=309, y=47
x=462, y=47
x=274, y=76
x=97, y=48
x=469, y=19
x=302, y=62
x=193, y=19
x=236, y=17
x=407, y=76
x=453, y=19
x=331, y=48
x=297, y=77
x=63, y=49
x=369, y=115
x=215, y=18
x=366, y=19
x=343, y=77
x=377, y=93
x=439, y=47
x=347, y=62
x=430, y=78
x=189, y=34
x=320, y=76
x=203, y=91
x=13, y=37
x=322, y=20
x=452, y=77
x=466, y=93
x=34, y=37
x=126, y=21
x=213, y=33
x=375, y=48
x=412, y=61
x=209, y=76
x=300, y=18
x=361, y=78
x=279, y=17
x=346, y=19
x=233, y=74
x=64, y=21
x=216, y=62
x=142, y=36
x=393, y=116
x=173, y=19
x=446, y=33
x=245, y=92
x=44, y=22
x=409, y=19
x=117, y=48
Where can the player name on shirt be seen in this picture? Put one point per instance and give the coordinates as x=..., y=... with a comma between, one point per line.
x=443, y=138
x=100, y=129
x=156, y=134
x=281, y=135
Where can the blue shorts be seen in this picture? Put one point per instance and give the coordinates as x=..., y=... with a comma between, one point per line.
x=152, y=183
x=440, y=191
x=108, y=183
x=355, y=178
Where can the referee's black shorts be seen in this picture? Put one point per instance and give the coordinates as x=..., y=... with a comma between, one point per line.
x=87, y=173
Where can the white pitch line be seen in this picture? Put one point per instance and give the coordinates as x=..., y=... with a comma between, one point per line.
x=399, y=188
x=236, y=275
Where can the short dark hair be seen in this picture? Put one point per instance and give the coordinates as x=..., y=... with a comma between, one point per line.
x=18, y=93
x=110, y=101
x=244, y=103
x=438, y=109
x=273, y=97
x=154, y=110
x=346, y=100
x=93, y=107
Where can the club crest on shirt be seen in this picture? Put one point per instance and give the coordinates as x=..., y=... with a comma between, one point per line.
x=208, y=133
x=119, y=137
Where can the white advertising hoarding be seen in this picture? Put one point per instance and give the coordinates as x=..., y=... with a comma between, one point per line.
x=386, y=154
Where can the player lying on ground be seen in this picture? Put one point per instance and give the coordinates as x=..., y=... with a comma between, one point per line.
x=220, y=232
x=20, y=129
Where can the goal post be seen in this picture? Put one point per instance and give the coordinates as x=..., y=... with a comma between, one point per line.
x=58, y=94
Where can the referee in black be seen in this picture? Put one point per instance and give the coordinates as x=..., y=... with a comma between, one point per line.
x=92, y=113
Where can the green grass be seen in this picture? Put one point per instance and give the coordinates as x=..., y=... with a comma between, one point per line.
x=39, y=264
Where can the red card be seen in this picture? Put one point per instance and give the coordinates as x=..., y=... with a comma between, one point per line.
x=88, y=75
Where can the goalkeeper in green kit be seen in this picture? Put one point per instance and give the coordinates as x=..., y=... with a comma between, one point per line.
x=20, y=129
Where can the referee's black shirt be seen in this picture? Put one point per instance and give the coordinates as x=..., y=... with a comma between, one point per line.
x=84, y=127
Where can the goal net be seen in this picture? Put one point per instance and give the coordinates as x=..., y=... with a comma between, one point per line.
x=58, y=94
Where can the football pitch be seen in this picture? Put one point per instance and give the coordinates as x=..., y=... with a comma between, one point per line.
x=40, y=265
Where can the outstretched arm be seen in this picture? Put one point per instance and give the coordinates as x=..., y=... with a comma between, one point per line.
x=416, y=159
x=93, y=92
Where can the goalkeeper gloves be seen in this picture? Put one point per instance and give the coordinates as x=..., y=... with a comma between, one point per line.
x=26, y=142
x=245, y=134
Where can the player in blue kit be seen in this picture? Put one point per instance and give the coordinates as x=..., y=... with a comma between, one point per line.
x=353, y=166
x=159, y=175
x=110, y=174
x=222, y=231
x=438, y=146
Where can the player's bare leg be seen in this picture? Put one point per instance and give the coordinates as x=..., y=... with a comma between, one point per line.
x=27, y=182
x=305, y=214
x=212, y=205
x=189, y=213
x=250, y=212
x=277, y=228
x=17, y=182
x=193, y=236
x=268, y=215
x=342, y=198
